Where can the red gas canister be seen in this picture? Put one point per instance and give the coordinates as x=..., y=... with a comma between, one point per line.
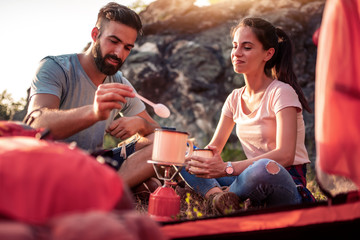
x=164, y=204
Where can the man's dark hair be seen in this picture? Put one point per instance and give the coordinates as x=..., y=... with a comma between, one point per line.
x=119, y=13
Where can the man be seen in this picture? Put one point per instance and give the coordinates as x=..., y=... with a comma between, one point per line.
x=80, y=94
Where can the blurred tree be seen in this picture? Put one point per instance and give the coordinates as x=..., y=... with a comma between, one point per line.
x=8, y=107
x=138, y=5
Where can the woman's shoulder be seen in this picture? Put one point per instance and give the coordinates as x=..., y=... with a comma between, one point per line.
x=283, y=95
x=236, y=92
x=279, y=87
x=277, y=84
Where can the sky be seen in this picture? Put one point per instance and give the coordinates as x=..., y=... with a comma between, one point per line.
x=33, y=29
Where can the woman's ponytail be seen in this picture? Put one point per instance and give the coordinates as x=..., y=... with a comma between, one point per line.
x=283, y=67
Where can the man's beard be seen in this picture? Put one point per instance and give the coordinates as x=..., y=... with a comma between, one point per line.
x=102, y=65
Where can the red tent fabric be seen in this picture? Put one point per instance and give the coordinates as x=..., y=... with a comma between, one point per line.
x=337, y=102
x=41, y=179
x=263, y=221
x=9, y=128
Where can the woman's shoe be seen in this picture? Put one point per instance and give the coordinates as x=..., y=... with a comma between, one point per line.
x=224, y=202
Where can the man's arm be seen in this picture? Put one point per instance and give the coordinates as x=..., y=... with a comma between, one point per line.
x=61, y=123
x=65, y=123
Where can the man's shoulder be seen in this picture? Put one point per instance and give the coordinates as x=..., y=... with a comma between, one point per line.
x=65, y=61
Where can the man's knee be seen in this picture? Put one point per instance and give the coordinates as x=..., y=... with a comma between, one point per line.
x=144, y=141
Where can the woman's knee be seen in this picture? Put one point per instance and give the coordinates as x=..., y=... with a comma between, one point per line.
x=268, y=164
x=272, y=167
x=263, y=167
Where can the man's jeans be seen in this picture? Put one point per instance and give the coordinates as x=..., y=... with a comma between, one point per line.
x=260, y=185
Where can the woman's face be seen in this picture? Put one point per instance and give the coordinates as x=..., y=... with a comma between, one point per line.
x=248, y=55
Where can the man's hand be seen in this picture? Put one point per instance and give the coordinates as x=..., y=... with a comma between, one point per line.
x=126, y=127
x=108, y=97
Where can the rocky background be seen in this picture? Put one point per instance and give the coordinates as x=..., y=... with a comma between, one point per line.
x=183, y=58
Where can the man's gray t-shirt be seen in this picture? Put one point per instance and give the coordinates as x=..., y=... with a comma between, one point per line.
x=64, y=77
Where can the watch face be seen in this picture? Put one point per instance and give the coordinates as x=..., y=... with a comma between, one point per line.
x=229, y=170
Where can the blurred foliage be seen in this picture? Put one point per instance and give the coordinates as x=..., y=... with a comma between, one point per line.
x=138, y=5
x=110, y=141
x=233, y=152
x=8, y=107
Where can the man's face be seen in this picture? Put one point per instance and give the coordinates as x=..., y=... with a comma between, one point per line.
x=113, y=46
x=102, y=61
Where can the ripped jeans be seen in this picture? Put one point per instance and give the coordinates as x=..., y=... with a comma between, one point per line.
x=262, y=186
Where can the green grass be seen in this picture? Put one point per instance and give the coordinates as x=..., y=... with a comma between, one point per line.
x=313, y=186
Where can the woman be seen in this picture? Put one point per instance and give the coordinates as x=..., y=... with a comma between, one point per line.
x=267, y=113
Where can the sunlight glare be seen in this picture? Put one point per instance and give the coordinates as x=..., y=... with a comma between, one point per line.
x=202, y=3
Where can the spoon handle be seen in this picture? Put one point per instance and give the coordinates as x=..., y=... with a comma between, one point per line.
x=144, y=100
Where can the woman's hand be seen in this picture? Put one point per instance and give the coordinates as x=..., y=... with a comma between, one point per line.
x=213, y=167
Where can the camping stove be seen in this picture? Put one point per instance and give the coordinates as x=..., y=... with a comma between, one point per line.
x=164, y=203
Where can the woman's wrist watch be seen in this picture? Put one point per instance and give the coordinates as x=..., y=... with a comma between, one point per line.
x=229, y=169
